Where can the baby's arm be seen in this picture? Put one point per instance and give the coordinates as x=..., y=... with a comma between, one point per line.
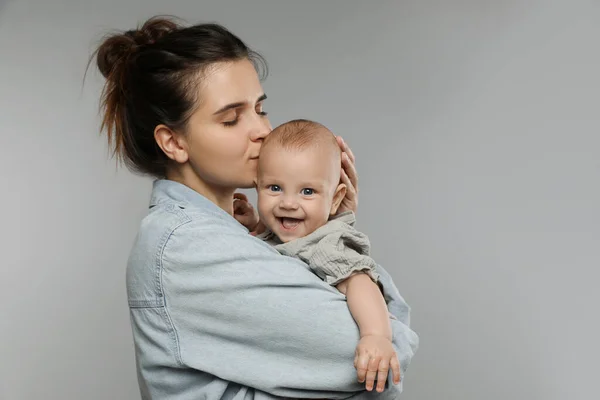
x=375, y=355
x=367, y=305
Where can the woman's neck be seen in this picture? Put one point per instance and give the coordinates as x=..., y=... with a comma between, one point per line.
x=222, y=197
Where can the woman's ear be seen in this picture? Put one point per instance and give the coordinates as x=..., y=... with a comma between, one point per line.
x=171, y=143
x=340, y=193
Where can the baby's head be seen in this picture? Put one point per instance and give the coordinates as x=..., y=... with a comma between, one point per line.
x=299, y=179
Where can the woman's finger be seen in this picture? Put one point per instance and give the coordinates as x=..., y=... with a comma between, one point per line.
x=350, y=169
x=350, y=190
x=345, y=148
x=348, y=150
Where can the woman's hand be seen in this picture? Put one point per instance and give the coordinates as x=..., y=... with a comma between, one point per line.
x=349, y=177
x=246, y=215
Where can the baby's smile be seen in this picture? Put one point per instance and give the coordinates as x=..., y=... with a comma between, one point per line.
x=289, y=224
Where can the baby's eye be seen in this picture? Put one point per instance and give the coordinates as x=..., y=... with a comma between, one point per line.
x=308, y=191
x=274, y=188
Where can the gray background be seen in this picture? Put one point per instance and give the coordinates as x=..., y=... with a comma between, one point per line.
x=477, y=131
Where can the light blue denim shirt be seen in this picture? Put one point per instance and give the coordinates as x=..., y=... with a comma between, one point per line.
x=218, y=314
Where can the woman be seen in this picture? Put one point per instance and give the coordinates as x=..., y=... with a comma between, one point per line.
x=216, y=313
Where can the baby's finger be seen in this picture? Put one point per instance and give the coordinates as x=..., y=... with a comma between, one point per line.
x=372, y=372
x=239, y=203
x=395, y=365
x=361, y=367
x=241, y=207
x=258, y=229
x=382, y=374
x=240, y=196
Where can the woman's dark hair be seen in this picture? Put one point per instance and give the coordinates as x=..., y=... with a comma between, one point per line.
x=152, y=75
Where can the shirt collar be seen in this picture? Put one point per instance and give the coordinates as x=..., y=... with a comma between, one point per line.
x=165, y=190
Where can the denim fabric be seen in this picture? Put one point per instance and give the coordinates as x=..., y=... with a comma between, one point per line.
x=219, y=314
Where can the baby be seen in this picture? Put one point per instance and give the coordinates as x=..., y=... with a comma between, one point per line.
x=299, y=192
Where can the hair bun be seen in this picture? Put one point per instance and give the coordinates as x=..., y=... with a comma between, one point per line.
x=116, y=49
x=152, y=31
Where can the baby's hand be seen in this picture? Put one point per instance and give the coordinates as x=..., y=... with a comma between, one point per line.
x=374, y=356
x=245, y=214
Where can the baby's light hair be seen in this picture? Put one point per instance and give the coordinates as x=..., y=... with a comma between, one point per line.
x=302, y=134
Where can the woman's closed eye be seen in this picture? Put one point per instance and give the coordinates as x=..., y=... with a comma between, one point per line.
x=235, y=120
x=232, y=118
x=259, y=105
x=260, y=111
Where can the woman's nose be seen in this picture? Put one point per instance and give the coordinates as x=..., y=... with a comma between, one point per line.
x=261, y=129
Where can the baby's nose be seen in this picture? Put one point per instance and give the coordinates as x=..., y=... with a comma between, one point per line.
x=289, y=204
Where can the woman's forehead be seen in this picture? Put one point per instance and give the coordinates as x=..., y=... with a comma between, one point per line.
x=228, y=83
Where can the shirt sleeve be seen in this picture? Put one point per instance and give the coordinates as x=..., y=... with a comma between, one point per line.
x=242, y=312
x=334, y=252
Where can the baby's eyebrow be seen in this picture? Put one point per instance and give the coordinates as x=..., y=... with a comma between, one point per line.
x=314, y=185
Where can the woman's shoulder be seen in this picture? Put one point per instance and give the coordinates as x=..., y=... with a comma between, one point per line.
x=177, y=224
x=179, y=238
x=183, y=233
x=175, y=207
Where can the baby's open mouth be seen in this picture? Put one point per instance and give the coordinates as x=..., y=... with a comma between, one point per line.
x=289, y=223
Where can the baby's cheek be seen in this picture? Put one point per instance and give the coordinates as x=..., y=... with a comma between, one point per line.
x=320, y=215
x=264, y=208
x=260, y=204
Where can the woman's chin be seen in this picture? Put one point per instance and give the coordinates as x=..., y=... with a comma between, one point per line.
x=251, y=184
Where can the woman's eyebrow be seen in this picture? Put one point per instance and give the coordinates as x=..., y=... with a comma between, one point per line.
x=238, y=104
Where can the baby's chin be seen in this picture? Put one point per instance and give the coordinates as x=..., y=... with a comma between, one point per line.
x=288, y=238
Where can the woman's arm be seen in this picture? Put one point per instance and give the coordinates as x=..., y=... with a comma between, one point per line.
x=246, y=314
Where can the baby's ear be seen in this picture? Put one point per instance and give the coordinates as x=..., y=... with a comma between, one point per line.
x=340, y=193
